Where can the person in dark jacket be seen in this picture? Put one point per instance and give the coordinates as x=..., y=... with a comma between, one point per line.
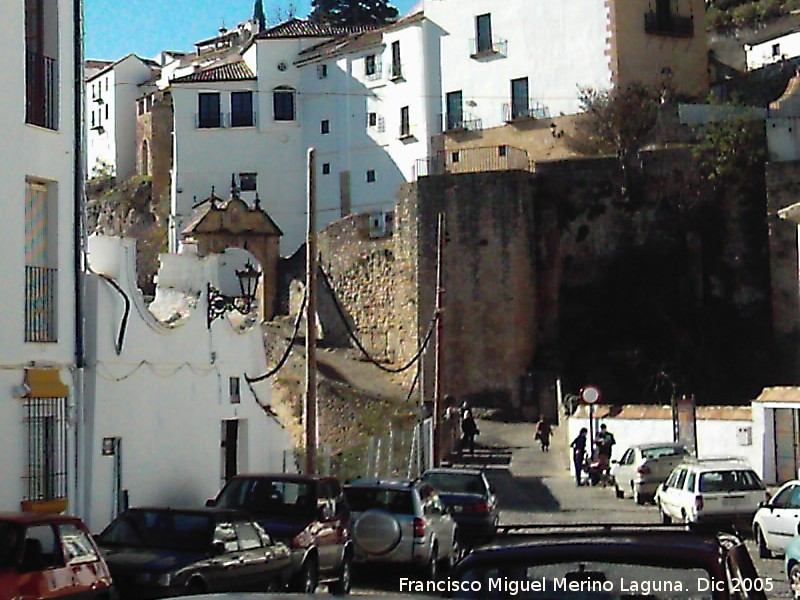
x=469, y=429
x=578, y=446
x=543, y=433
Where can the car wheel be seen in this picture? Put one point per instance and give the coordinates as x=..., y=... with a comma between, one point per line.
x=455, y=554
x=195, y=586
x=431, y=570
x=620, y=493
x=794, y=580
x=308, y=578
x=638, y=497
x=761, y=542
x=341, y=587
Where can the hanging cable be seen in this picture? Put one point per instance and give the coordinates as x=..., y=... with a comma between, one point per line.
x=288, y=350
x=357, y=342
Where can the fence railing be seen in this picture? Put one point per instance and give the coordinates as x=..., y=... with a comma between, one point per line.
x=41, y=90
x=487, y=47
x=474, y=160
x=40, y=304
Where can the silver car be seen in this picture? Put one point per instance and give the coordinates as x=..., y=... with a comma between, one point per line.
x=402, y=522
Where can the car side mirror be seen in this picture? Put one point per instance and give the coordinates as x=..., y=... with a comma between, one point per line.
x=211, y=502
x=218, y=548
x=615, y=462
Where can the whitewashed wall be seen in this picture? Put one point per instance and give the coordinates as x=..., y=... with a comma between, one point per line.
x=167, y=393
x=557, y=45
x=715, y=437
x=29, y=151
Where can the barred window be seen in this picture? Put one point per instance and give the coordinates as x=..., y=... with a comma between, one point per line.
x=46, y=421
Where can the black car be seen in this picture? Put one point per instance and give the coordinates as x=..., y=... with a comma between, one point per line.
x=163, y=552
x=470, y=500
x=309, y=514
x=609, y=562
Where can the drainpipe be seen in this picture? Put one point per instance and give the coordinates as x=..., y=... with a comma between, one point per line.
x=80, y=502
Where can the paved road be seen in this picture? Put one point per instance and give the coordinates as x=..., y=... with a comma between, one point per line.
x=537, y=487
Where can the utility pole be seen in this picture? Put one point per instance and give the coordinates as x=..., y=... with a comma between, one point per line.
x=310, y=404
x=437, y=380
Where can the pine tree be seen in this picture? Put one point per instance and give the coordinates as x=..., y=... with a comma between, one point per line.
x=352, y=12
x=258, y=15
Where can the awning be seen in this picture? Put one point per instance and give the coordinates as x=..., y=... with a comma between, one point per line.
x=45, y=383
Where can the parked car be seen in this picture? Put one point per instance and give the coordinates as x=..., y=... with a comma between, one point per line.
x=778, y=520
x=470, y=500
x=309, y=514
x=643, y=467
x=50, y=556
x=404, y=523
x=792, y=564
x=161, y=552
x=717, y=491
x=609, y=561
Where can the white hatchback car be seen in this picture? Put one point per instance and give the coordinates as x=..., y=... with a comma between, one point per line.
x=644, y=466
x=724, y=491
x=777, y=521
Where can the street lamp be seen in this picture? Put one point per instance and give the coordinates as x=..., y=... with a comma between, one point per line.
x=219, y=304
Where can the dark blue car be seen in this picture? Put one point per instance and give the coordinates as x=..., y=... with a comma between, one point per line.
x=163, y=552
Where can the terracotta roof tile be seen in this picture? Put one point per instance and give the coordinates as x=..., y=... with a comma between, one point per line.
x=295, y=28
x=641, y=411
x=237, y=71
x=779, y=394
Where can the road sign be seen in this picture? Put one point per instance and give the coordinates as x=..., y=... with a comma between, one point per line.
x=590, y=394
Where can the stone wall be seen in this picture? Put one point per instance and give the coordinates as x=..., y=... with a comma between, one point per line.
x=155, y=128
x=783, y=189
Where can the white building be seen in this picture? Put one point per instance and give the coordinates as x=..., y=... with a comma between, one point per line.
x=169, y=415
x=111, y=95
x=774, y=49
x=37, y=325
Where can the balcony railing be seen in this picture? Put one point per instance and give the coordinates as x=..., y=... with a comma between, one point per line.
x=669, y=25
x=488, y=48
x=513, y=111
x=395, y=71
x=474, y=160
x=41, y=90
x=40, y=304
x=463, y=122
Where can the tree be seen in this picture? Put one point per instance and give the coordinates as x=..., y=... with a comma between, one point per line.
x=352, y=12
x=258, y=15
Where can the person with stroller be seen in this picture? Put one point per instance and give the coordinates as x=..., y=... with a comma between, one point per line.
x=543, y=433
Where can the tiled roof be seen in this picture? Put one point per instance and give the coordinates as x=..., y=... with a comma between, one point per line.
x=296, y=28
x=237, y=71
x=641, y=411
x=779, y=394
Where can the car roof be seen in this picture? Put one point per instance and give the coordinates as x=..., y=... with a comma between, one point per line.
x=452, y=471
x=293, y=477
x=32, y=518
x=203, y=511
x=387, y=484
x=649, y=445
x=719, y=466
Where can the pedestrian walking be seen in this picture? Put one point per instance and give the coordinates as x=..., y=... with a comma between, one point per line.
x=578, y=446
x=543, y=433
x=469, y=429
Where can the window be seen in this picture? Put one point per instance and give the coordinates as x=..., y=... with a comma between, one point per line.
x=405, y=127
x=93, y=119
x=519, y=98
x=503, y=151
x=241, y=109
x=144, y=163
x=325, y=127
x=209, y=114
x=40, y=276
x=249, y=539
x=776, y=49
x=46, y=477
x=372, y=119
x=76, y=544
x=370, y=65
x=322, y=71
x=283, y=104
x=691, y=481
x=41, y=63
x=233, y=389
x=455, y=156
x=106, y=111
x=107, y=83
x=139, y=107
x=397, y=68
x=371, y=176
x=483, y=33
x=681, y=479
x=326, y=168
x=455, y=110
x=43, y=538
x=248, y=182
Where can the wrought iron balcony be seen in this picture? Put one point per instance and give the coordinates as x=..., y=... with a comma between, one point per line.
x=668, y=25
x=495, y=46
x=474, y=160
x=40, y=304
x=41, y=90
x=462, y=122
x=521, y=111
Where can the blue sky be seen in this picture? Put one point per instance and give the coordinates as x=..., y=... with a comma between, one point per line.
x=115, y=28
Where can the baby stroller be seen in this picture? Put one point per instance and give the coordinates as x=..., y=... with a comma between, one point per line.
x=598, y=470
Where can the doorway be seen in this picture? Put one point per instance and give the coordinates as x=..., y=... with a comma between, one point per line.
x=230, y=448
x=787, y=451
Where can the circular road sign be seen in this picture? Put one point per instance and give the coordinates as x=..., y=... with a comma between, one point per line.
x=590, y=394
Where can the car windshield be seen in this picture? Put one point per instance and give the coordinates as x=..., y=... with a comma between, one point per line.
x=589, y=580
x=456, y=483
x=398, y=502
x=9, y=544
x=163, y=529
x=263, y=496
x=730, y=481
x=664, y=451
